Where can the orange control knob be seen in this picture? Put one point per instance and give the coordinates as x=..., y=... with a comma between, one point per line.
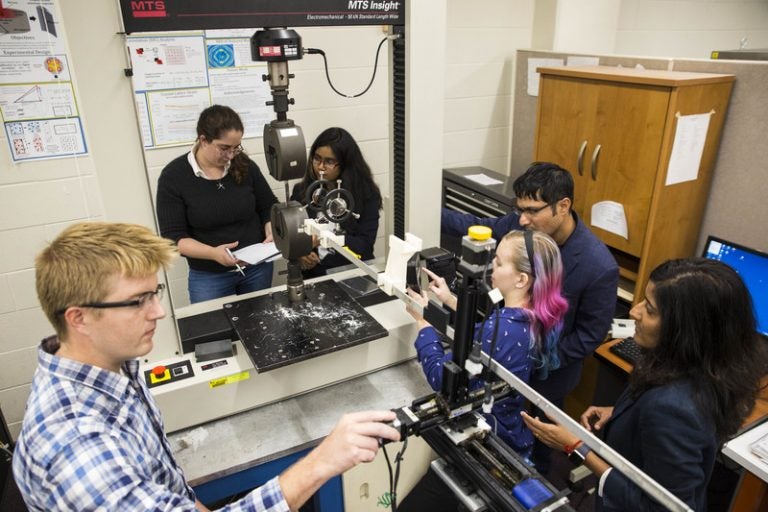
x=158, y=371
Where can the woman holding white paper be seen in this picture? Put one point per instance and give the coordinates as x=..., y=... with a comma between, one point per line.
x=212, y=201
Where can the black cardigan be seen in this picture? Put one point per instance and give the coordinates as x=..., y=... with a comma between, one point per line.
x=213, y=212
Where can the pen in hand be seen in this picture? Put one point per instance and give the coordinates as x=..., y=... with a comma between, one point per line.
x=237, y=265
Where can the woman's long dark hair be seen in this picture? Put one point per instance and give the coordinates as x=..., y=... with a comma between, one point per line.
x=708, y=336
x=214, y=122
x=355, y=174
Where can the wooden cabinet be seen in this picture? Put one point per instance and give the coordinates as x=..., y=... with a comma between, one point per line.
x=614, y=129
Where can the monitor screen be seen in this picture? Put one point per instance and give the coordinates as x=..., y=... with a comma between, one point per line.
x=752, y=266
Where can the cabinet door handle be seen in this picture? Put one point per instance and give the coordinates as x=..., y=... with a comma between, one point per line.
x=594, y=161
x=580, y=159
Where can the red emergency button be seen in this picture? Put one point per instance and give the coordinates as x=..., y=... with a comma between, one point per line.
x=159, y=374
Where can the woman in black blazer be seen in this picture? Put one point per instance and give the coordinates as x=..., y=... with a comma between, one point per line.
x=689, y=393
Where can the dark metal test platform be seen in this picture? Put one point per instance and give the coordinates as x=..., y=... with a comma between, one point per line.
x=276, y=332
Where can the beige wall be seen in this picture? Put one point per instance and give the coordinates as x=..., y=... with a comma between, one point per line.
x=689, y=28
x=482, y=38
x=471, y=78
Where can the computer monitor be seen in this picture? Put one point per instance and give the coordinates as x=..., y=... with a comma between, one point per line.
x=752, y=266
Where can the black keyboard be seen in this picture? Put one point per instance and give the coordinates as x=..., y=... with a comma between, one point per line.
x=628, y=350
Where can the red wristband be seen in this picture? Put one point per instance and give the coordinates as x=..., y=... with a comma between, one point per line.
x=570, y=447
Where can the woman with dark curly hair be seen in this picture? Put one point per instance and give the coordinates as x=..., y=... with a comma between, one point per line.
x=211, y=201
x=336, y=157
x=689, y=393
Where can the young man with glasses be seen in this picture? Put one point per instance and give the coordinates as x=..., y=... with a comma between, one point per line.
x=92, y=437
x=213, y=200
x=544, y=203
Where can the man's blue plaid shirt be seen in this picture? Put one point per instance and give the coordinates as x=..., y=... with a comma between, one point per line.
x=93, y=439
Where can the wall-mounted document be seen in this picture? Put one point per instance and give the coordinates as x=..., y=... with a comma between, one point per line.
x=690, y=136
x=610, y=216
x=38, y=108
x=177, y=76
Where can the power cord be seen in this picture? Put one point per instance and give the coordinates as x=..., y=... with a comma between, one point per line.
x=393, y=479
x=489, y=376
x=375, y=66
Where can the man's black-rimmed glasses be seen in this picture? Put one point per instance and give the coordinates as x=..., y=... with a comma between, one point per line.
x=139, y=302
x=529, y=210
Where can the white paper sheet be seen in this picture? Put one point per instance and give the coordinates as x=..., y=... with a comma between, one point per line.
x=533, y=76
x=257, y=253
x=690, y=136
x=483, y=179
x=610, y=216
x=760, y=448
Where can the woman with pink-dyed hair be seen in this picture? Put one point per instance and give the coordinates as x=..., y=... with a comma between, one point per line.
x=521, y=334
x=528, y=272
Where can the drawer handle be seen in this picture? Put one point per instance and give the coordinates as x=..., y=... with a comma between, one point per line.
x=595, y=155
x=580, y=159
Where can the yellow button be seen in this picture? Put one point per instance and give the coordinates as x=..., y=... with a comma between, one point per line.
x=159, y=374
x=479, y=232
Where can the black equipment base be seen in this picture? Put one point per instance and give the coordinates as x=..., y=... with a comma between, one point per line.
x=276, y=332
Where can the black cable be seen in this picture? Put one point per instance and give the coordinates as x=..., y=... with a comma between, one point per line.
x=485, y=287
x=487, y=374
x=495, y=333
x=393, y=479
x=328, y=76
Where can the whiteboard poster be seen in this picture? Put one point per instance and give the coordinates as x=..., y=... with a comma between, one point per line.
x=176, y=76
x=161, y=63
x=37, y=98
x=30, y=28
x=243, y=90
x=173, y=114
x=45, y=138
x=37, y=101
x=230, y=32
x=35, y=68
x=142, y=111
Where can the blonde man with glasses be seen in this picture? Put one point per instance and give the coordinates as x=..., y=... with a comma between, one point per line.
x=212, y=200
x=92, y=437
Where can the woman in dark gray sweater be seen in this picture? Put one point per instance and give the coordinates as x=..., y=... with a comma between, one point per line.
x=212, y=200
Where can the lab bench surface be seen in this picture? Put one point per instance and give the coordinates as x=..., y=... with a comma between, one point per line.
x=243, y=441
